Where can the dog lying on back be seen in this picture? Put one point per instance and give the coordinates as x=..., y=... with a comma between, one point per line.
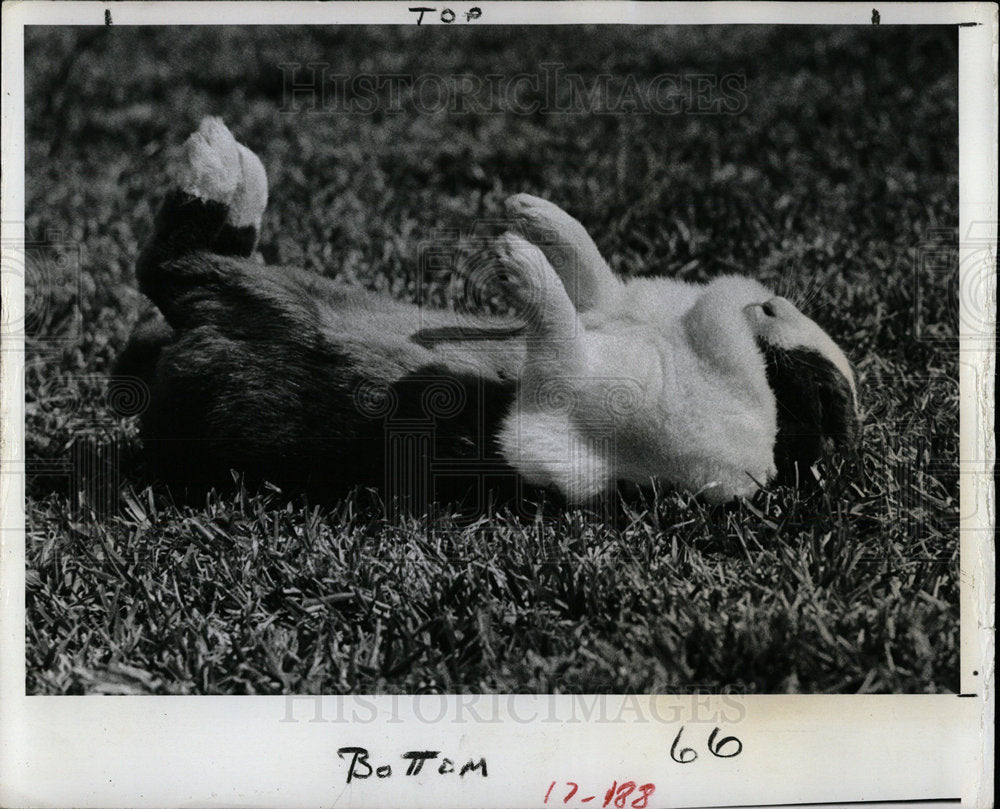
x=292, y=378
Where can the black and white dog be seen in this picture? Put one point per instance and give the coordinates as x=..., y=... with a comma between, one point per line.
x=286, y=376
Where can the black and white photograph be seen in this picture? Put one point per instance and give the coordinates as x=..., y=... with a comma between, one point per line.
x=444, y=357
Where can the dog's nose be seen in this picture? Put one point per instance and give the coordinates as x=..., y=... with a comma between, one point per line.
x=778, y=307
x=770, y=313
x=761, y=312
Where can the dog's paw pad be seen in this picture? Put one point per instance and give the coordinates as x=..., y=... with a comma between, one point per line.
x=534, y=288
x=519, y=257
x=210, y=166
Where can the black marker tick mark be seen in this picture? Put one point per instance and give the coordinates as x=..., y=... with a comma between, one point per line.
x=876, y=17
x=107, y=16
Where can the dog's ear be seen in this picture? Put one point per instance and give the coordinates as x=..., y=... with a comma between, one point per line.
x=816, y=409
x=570, y=251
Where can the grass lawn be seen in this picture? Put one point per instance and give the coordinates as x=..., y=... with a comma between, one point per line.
x=834, y=180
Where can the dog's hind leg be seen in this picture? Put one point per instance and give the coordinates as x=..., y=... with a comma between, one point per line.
x=193, y=268
x=215, y=205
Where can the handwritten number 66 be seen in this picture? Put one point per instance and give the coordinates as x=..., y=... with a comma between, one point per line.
x=716, y=746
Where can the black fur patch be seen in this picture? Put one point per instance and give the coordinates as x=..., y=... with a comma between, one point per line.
x=816, y=412
x=234, y=241
x=184, y=224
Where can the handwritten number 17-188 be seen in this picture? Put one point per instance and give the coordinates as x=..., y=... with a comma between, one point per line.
x=618, y=795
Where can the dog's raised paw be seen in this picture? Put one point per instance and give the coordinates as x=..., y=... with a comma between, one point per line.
x=535, y=288
x=546, y=221
x=524, y=264
x=210, y=167
x=569, y=249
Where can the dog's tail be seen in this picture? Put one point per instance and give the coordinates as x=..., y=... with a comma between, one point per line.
x=215, y=205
